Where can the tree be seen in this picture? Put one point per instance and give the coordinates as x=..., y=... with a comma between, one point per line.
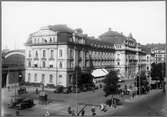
x=77, y=76
x=111, y=85
x=158, y=71
x=142, y=82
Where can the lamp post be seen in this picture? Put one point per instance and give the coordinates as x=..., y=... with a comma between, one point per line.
x=76, y=90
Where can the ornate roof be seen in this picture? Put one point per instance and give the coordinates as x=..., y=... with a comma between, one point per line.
x=112, y=36
x=60, y=28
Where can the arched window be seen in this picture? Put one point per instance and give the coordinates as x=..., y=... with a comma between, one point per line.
x=43, y=78
x=29, y=63
x=29, y=53
x=51, y=78
x=50, y=40
x=60, y=64
x=44, y=53
x=29, y=77
x=51, y=53
x=36, y=54
x=35, y=77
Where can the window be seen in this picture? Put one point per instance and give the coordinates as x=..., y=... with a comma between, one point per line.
x=51, y=53
x=50, y=39
x=43, y=78
x=70, y=79
x=118, y=63
x=35, y=77
x=60, y=64
x=29, y=63
x=44, y=53
x=35, y=65
x=29, y=77
x=51, y=78
x=51, y=66
x=60, y=53
x=36, y=54
x=60, y=76
x=43, y=64
x=29, y=54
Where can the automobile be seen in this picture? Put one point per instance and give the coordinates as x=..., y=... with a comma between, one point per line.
x=26, y=103
x=15, y=101
x=74, y=90
x=59, y=89
x=109, y=101
x=50, y=86
x=66, y=90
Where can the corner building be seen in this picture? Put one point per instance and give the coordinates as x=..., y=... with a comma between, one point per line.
x=53, y=52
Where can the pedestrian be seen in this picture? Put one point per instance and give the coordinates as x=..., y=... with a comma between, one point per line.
x=133, y=95
x=83, y=113
x=69, y=110
x=73, y=113
x=93, y=111
x=17, y=113
x=8, y=88
x=36, y=91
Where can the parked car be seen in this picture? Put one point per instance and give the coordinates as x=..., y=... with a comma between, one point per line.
x=26, y=103
x=15, y=101
x=50, y=86
x=66, y=90
x=74, y=90
x=59, y=89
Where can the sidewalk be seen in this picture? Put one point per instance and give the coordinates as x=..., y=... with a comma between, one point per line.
x=143, y=96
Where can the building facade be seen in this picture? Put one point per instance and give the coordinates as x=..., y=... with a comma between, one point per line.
x=159, y=54
x=53, y=52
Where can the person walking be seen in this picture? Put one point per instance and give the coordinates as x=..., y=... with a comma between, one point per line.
x=83, y=113
x=73, y=113
x=93, y=111
x=69, y=110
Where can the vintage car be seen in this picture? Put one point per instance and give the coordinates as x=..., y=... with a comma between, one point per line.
x=15, y=101
x=26, y=103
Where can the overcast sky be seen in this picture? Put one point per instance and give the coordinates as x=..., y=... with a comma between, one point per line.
x=145, y=20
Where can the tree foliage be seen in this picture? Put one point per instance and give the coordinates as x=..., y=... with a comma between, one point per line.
x=81, y=79
x=157, y=71
x=111, y=85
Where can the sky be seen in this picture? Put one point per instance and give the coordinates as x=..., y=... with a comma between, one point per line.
x=145, y=20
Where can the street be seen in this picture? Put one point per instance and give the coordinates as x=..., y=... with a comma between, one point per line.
x=154, y=104
x=151, y=104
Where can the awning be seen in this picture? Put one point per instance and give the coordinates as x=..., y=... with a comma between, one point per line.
x=99, y=72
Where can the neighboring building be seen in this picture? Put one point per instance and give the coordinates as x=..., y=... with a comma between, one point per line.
x=159, y=54
x=12, y=67
x=129, y=58
x=53, y=52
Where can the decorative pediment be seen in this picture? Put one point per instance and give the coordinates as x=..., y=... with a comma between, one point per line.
x=46, y=32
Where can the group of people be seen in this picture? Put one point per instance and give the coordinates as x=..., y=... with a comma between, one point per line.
x=82, y=112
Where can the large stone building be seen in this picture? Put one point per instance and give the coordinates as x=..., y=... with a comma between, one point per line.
x=53, y=52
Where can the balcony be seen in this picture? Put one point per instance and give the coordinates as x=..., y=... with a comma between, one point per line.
x=43, y=58
x=51, y=59
x=36, y=58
